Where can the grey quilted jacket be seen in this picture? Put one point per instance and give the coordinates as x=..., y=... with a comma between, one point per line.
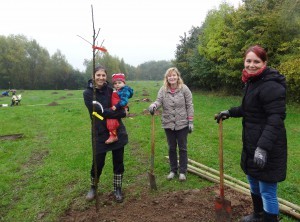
x=177, y=107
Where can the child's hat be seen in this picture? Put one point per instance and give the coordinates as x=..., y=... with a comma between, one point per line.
x=118, y=77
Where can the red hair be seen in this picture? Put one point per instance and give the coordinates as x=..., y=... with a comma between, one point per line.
x=257, y=50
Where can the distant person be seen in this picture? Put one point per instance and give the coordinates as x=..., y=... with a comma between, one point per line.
x=176, y=101
x=16, y=99
x=103, y=96
x=5, y=93
x=120, y=97
x=264, y=153
x=13, y=99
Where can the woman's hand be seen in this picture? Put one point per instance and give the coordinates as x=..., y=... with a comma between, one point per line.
x=152, y=108
x=191, y=126
x=260, y=157
x=223, y=114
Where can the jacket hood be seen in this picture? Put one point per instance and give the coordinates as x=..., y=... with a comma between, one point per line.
x=273, y=75
x=90, y=84
x=130, y=90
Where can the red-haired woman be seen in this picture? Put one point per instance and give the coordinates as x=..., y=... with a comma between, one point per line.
x=264, y=154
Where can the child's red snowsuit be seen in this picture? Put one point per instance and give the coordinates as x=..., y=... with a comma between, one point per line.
x=113, y=124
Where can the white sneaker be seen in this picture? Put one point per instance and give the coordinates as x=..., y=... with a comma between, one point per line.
x=182, y=177
x=171, y=175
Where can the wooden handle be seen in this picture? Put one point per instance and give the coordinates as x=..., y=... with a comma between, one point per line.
x=221, y=158
x=152, y=143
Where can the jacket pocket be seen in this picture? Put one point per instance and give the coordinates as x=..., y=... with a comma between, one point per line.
x=252, y=134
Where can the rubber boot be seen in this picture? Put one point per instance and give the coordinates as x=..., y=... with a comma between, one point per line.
x=118, y=188
x=92, y=192
x=112, y=137
x=257, y=215
x=270, y=217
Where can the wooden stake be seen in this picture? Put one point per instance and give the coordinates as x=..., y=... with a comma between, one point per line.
x=212, y=175
x=213, y=178
x=243, y=184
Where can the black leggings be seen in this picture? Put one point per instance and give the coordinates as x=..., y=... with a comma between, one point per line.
x=118, y=162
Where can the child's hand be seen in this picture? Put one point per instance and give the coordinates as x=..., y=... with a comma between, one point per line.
x=113, y=108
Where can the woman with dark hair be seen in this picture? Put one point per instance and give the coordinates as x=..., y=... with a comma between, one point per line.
x=264, y=153
x=103, y=96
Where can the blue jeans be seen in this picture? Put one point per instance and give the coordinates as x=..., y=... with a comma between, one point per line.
x=268, y=193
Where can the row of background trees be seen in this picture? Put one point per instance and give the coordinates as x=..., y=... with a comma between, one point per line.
x=210, y=57
x=24, y=64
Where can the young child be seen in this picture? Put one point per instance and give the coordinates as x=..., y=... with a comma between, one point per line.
x=119, y=100
x=16, y=99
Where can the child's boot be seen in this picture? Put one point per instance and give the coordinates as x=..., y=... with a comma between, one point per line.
x=112, y=137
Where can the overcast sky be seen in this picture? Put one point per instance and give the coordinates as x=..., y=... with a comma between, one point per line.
x=135, y=30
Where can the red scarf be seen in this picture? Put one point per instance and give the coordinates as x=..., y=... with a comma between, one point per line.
x=246, y=76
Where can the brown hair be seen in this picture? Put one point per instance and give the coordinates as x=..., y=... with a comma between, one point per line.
x=100, y=67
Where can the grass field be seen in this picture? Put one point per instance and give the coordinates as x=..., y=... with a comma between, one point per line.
x=48, y=169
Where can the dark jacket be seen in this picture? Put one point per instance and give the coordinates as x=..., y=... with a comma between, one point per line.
x=264, y=110
x=103, y=96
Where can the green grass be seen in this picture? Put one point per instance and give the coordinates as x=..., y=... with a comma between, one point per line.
x=47, y=170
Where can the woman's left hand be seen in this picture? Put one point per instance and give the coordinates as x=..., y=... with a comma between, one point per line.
x=191, y=126
x=260, y=157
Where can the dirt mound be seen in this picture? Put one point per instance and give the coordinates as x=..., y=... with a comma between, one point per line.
x=189, y=205
x=11, y=136
x=53, y=104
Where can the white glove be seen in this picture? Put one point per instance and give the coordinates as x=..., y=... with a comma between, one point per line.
x=191, y=126
x=260, y=157
x=152, y=108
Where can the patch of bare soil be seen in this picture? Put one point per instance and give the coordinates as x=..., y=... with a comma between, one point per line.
x=145, y=93
x=53, y=104
x=143, y=100
x=11, y=136
x=132, y=114
x=178, y=206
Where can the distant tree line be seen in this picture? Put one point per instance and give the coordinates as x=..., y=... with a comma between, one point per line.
x=211, y=56
x=151, y=70
x=24, y=64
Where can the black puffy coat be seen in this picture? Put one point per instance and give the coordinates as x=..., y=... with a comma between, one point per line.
x=264, y=110
x=103, y=96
